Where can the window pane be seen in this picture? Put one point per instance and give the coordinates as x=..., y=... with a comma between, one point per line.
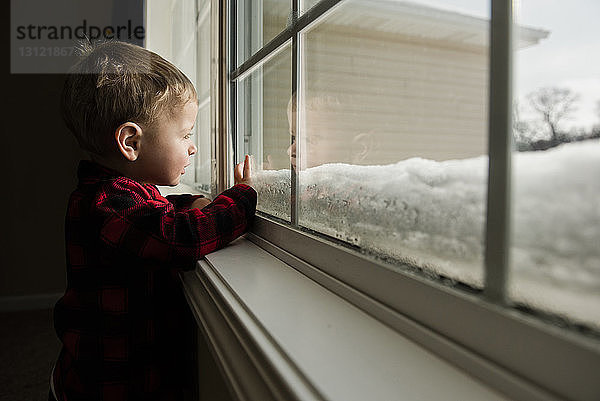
x=263, y=130
x=183, y=48
x=204, y=31
x=258, y=22
x=203, y=170
x=183, y=26
x=306, y=5
x=203, y=157
x=555, y=253
x=392, y=137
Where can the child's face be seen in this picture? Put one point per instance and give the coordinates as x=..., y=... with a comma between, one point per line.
x=165, y=154
x=319, y=145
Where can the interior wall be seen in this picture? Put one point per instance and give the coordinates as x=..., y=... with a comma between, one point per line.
x=38, y=165
x=39, y=171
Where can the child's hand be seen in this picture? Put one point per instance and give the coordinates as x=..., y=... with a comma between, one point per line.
x=200, y=203
x=242, y=173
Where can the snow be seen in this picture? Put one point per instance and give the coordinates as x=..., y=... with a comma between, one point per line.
x=432, y=214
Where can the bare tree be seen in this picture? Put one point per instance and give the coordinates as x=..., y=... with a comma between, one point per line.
x=596, y=128
x=520, y=127
x=553, y=104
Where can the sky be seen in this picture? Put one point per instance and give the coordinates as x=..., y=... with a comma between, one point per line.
x=569, y=57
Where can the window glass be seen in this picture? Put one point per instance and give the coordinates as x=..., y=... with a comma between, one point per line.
x=258, y=22
x=203, y=165
x=183, y=52
x=306, y=5
x=555, y=252
x=203, y=170
x=263, y=132
x=204, y=32
x=392, y=140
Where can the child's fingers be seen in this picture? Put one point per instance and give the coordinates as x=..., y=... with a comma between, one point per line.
x=242, y=171
x=237, y=172
x=247, y=168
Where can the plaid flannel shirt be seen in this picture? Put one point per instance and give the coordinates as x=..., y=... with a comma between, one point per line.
x=120, y=317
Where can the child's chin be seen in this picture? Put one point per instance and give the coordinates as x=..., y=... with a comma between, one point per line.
x=171, y=183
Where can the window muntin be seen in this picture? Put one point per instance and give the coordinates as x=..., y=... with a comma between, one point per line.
x=555, y=257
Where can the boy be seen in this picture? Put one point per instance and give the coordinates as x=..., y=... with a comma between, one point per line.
x=120, y=317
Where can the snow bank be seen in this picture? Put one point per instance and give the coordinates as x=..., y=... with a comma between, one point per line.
x=556, y=214
x=418, y=211
x=432, y=214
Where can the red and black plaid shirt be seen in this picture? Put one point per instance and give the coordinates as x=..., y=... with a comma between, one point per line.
x=119, y=317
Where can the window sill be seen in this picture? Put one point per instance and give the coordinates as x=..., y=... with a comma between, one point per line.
x=278, y=335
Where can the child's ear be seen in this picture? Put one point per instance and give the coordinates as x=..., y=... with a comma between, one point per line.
x=128, y=137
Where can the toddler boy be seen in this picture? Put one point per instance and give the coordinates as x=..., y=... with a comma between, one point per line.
x=119, y=320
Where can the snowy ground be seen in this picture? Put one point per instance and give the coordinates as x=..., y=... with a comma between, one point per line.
x=432, y=214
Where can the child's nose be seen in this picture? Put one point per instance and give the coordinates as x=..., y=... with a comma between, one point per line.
x=192, y=150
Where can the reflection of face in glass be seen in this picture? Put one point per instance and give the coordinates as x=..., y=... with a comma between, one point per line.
x=326, y=136
x=318, y=146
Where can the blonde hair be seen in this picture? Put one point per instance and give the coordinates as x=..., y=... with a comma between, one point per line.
x=115, y=82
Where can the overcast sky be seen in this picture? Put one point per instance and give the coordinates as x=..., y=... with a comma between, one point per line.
x=568, y=57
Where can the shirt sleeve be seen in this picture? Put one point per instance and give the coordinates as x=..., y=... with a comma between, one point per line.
x=182, y=202
x=154, y=230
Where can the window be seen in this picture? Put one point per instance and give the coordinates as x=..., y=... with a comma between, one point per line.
x=381, y=135
x=382, y=143
x=369, y=124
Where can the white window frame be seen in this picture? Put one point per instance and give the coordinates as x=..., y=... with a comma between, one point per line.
x=519, y=354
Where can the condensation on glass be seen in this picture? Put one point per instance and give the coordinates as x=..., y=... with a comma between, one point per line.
x=391, y=147
x=263, y=131
x=257, y=23
x=555, y=250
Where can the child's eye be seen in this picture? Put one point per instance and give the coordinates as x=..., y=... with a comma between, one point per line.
x=188, y=136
